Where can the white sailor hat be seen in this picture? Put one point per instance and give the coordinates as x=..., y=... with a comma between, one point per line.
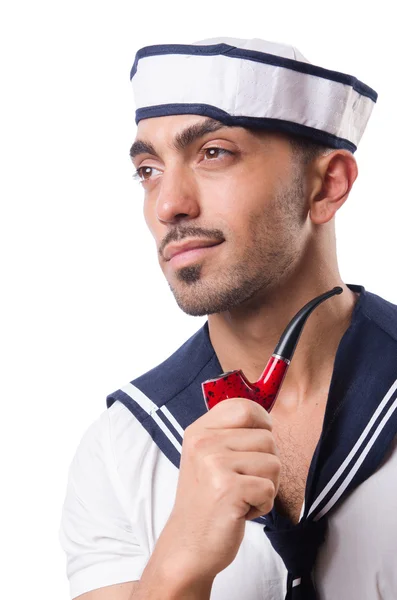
x=254, y=84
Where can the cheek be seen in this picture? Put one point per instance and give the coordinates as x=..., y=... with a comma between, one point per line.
x=149, y=215
x=156, y=229
x=229, y=196
x=241, y=203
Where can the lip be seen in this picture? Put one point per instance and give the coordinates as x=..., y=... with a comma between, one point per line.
x=174, y=249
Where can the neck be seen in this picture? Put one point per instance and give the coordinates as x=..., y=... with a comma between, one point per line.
x=245, y=337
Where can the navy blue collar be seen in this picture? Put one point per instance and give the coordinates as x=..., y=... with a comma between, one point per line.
x=366, y=359
x=360, y=422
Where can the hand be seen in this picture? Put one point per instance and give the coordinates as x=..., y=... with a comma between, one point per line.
x=229, y=473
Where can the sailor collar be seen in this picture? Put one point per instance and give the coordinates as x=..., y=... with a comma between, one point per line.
x=168, y=398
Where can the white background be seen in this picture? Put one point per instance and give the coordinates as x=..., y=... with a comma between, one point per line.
x=85, y=308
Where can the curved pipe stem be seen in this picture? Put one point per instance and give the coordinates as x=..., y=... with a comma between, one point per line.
x=289, y=339
x=235, y=385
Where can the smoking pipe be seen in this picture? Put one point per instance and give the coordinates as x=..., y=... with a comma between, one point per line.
x=234, y=384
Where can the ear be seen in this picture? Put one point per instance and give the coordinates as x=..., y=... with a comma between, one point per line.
x=333, y=176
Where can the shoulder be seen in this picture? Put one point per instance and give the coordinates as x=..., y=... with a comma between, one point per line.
x=98, y=437
x=95, y=455
x=96, y=490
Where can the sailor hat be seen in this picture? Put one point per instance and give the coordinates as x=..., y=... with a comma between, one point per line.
x=254, y=84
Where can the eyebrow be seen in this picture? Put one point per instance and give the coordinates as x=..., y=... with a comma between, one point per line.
x=182, y=140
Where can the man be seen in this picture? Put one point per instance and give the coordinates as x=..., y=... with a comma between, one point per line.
x=245, y=153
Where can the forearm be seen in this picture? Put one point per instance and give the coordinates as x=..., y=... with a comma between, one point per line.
x=155, y=588
x=173, y=574
x=159, y=583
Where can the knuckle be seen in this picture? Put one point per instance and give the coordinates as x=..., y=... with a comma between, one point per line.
x=196, y=440
x=214, y=461
x=243, y=410
x=218, y=475
x=269, y=493
x=265, y=416
x=269, y=443
x=222, y=480
x=272, y=470
x=266, y=497
x=278, y=470
x=222, y=484
x=248, y=411
x=275, y=464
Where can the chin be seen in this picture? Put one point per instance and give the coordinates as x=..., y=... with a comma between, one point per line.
x=200, y=300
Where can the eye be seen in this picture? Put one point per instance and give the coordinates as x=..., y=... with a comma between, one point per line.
x=142, y=173
x=216, y=150
x=145, y=173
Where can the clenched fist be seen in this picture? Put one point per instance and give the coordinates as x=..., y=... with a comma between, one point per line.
x=229, y=473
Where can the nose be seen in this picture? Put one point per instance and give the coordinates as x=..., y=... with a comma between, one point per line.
x=178, y=196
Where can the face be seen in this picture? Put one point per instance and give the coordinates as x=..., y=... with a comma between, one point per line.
x=226, y=207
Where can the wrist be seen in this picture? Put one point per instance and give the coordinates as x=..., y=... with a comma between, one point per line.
x=176, y=567
x=171, y=581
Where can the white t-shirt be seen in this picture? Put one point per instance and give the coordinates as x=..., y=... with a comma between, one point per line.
x=120, y=493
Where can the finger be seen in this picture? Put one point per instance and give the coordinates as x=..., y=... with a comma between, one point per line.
x=237, y=413
x=243, y=440
x=259, y=495
x=257, y=464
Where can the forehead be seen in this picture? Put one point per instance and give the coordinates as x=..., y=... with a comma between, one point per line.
x=169, y=123
x=181, y=128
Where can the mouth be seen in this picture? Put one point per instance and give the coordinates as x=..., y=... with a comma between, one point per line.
x=184, y=254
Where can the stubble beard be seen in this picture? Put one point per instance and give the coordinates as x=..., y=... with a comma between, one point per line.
x=268, y=258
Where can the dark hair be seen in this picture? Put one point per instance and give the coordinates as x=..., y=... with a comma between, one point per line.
x=305, y=150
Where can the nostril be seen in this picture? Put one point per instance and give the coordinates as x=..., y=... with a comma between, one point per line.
x=172, y=218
